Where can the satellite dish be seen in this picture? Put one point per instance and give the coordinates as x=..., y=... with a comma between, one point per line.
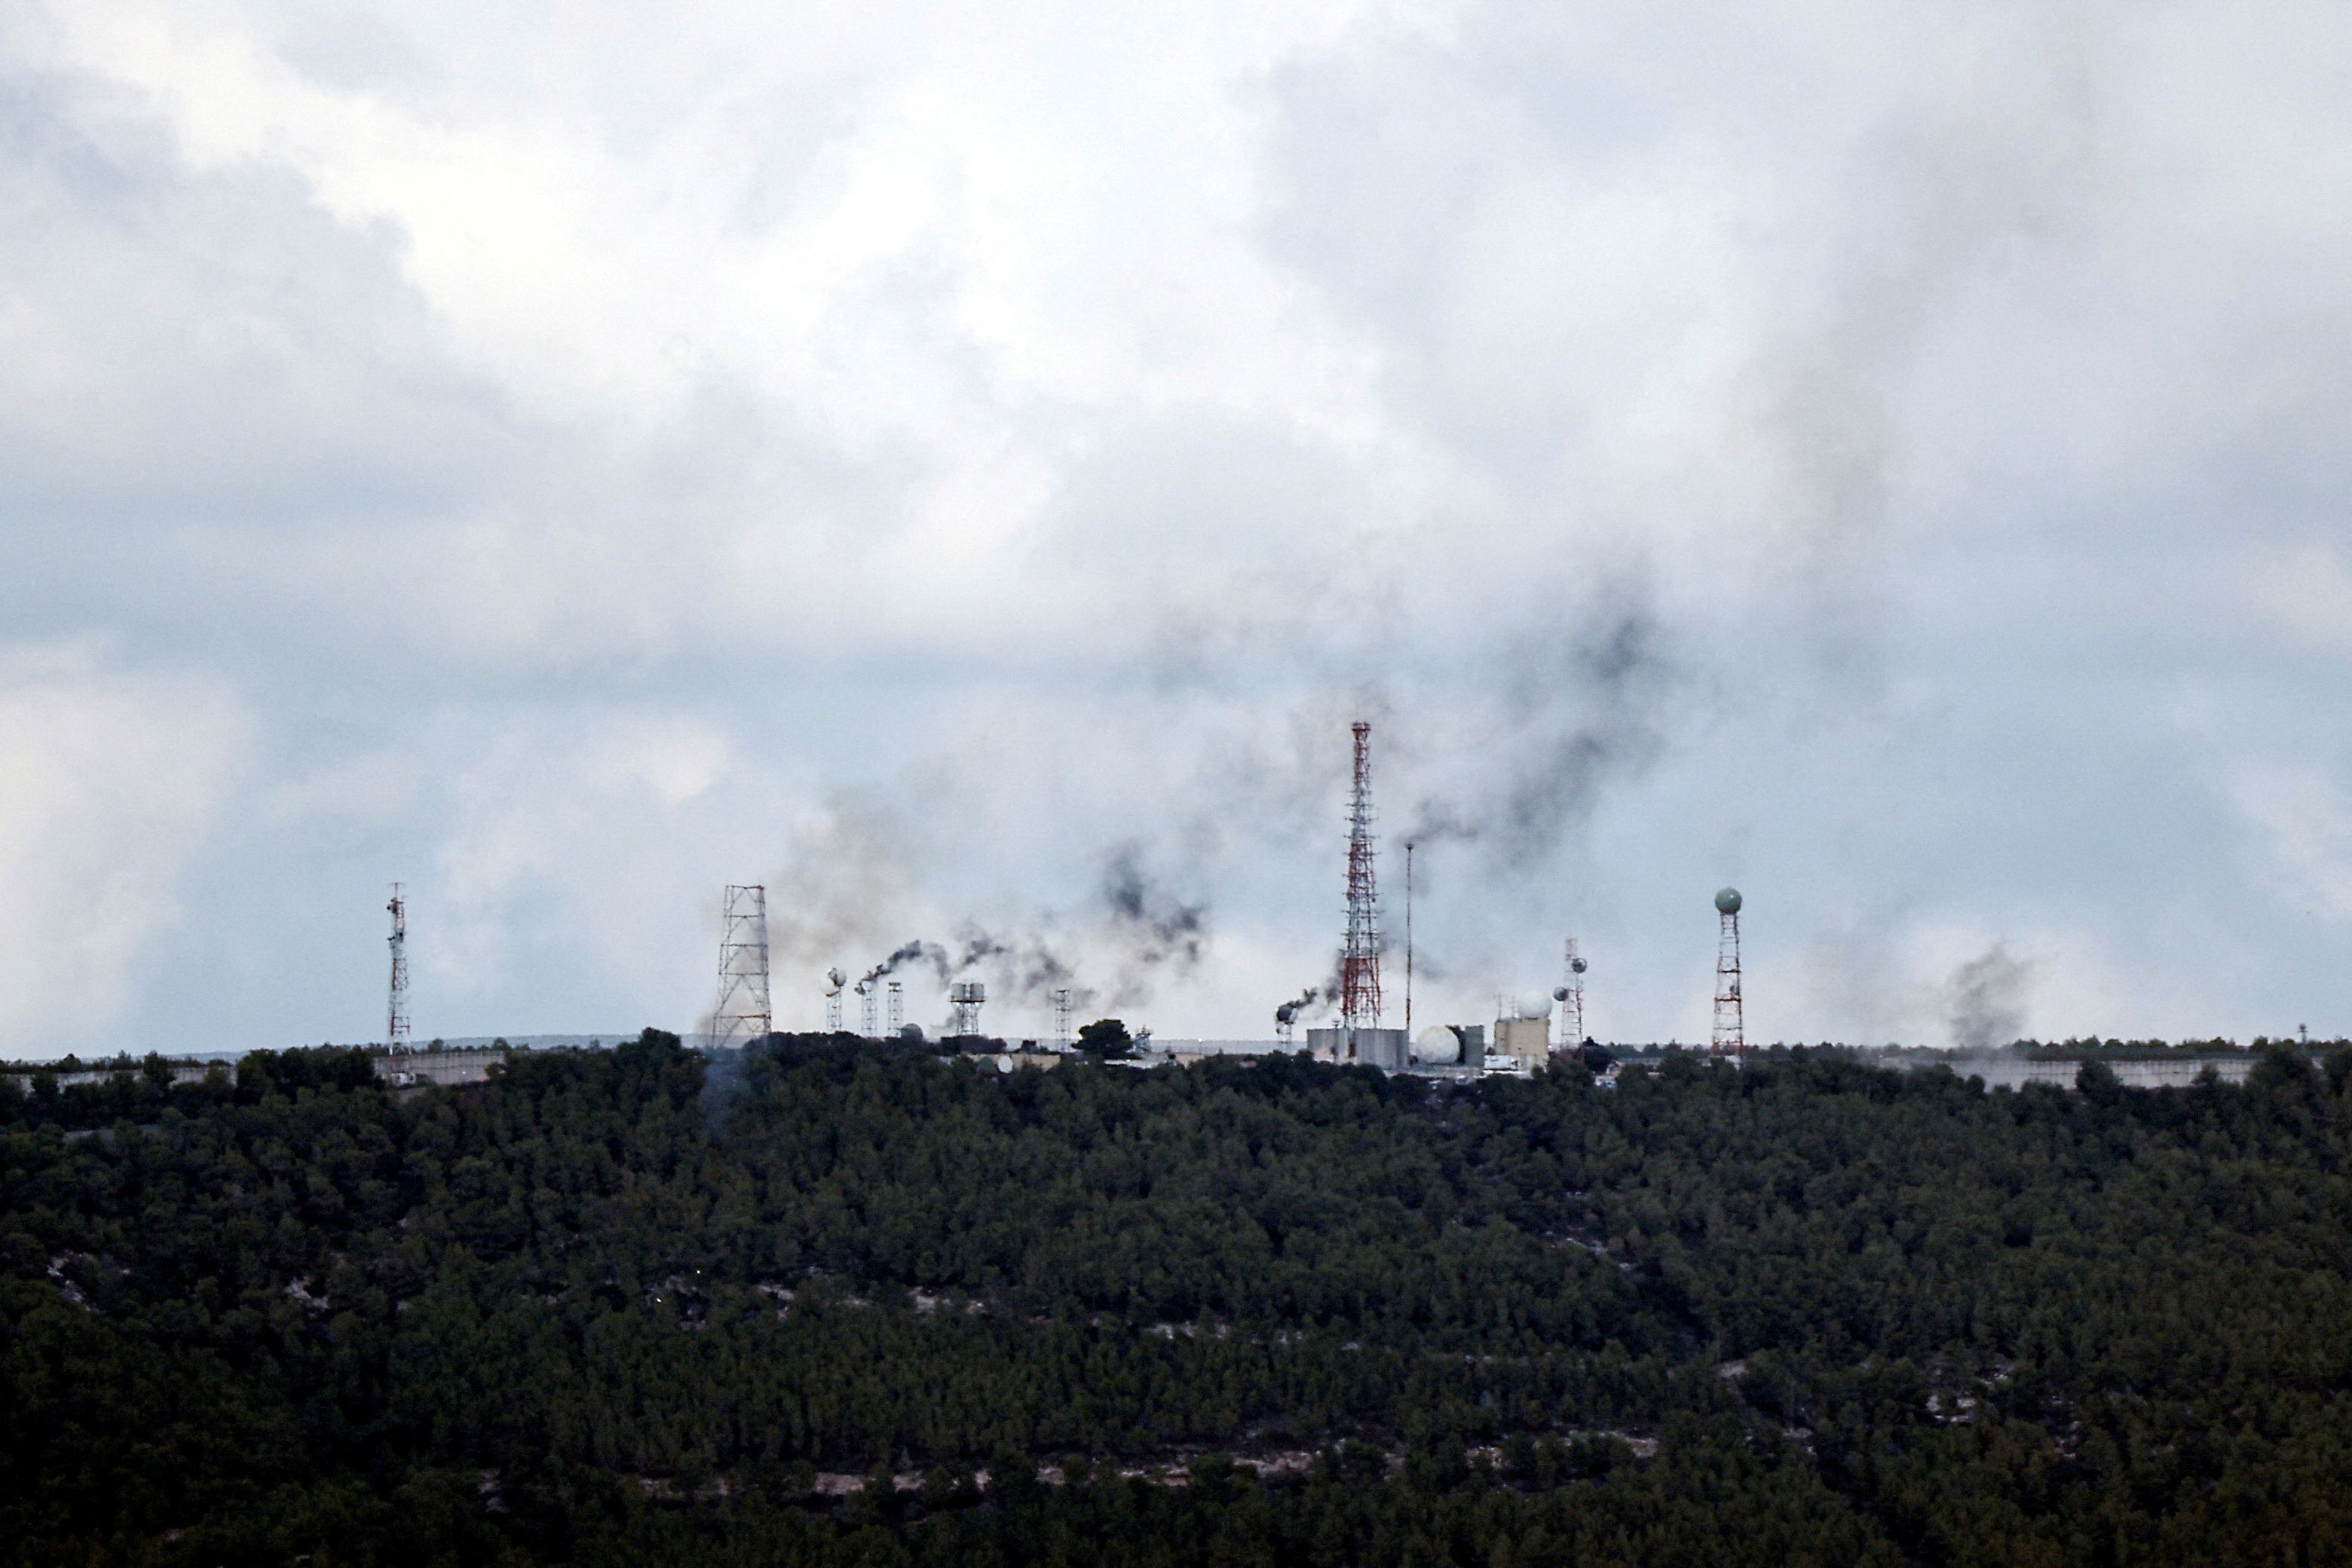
x=834, y=981
x=1727, y=900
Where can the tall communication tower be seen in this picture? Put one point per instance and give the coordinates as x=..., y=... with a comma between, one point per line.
x=866, y=1005
x=834, y=981
x=395, y=1029
x=1062, y=1017
x=897, y=999
x=741, y=1013
x=1730, y=1015
x=1570, y=998
x=1359, y=958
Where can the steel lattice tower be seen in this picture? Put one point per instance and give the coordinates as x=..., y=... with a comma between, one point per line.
x=1062, y=1017
x=866, y=1003
x=1731, y=1010
x=834, y=981
x=741, y=1013
x=897, y=1000
x=1359, y=958
x=1570, y=998
x=964, y=999
x=395, y=1029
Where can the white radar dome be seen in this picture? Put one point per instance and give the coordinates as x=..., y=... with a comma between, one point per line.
x=1437, y=1045
x=1534, y=1004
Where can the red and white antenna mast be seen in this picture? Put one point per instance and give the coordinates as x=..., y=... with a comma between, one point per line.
x=1731, y=1012
x=395, y=1029
x=1359, y=958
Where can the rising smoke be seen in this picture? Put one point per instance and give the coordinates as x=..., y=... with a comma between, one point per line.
x=1140, y=929
x=1578, y=717
x=1985, y=1003
x=1150, y=927
x=1329, y=991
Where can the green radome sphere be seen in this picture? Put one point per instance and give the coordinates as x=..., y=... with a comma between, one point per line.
x=1727, y=900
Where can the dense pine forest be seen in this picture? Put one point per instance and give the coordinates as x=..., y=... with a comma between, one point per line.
x=827, y=1302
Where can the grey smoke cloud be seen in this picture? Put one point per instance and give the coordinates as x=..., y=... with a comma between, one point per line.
x=1986, y=1000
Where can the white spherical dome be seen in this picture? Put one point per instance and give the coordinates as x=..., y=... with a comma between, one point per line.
x=1437, y=1045
x=1534, y=1004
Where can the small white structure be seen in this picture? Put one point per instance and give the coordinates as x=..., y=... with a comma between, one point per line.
x=1437, y=1046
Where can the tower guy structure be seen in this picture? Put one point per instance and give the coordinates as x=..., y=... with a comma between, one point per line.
x=741, y=1012
x=1358, y=1036
x=1730, y=1015
x=1360, y=955
x=395, y=1029
x=1570, y=996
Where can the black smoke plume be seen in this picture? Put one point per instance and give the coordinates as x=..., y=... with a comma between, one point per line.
x=916, y=951
x=1154, y=928
x=1025, y=965
x=1288, y=1012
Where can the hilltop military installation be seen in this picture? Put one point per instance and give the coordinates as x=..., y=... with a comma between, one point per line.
x=1520, y=1039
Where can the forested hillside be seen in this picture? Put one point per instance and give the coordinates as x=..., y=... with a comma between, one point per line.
x=831, y=1303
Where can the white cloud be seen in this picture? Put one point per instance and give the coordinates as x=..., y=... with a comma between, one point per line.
x=2305, y=818
x=593, y=454
x=110, y=782
x=2308, y=590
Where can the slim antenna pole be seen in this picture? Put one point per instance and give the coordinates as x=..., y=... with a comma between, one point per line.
x=1408, y=938
x=395, y=1029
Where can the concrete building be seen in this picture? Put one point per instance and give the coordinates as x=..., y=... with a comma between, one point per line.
x=1367, y=1047
x=448, y=1068
x=1189, y=1052
x=1522, y=1041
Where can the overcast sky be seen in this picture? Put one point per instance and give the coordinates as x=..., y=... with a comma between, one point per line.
x=964, y=468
